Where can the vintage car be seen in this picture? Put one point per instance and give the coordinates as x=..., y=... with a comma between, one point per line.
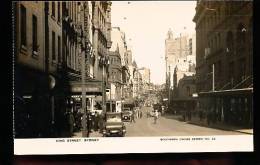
x=126, y=115
x=113, y=124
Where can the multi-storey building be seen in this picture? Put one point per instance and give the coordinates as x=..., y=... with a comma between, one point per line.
x=115, y=75
x=119, y=43
x=223, y=40
x=101, y=18
x=224, y=56
x=38, y=61
x=30, y=71
x=145, y=73
x=175, y=48
x=51, y=40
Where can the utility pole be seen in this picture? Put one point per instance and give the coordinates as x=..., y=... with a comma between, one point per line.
x=110, y=97
x=213, y=77
x=169, y=90
x=138, y=84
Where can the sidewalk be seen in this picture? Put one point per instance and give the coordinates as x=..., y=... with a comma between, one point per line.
x=92, y=134
x=222, y=126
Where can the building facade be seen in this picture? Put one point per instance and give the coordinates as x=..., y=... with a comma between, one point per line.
x=119, y=43
x=223, y=40
x=175, y=47
x=51, y=40
x=224, y=59
x=115, y=76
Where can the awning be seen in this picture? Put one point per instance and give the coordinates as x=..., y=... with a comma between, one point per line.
x=92, y=87
x=234, y=92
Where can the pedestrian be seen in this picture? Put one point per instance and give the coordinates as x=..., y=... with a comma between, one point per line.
x=156, y=116
x=89, y=122
x=141, y=114
x=96, y=121
x=133, y=117
x=71, y=123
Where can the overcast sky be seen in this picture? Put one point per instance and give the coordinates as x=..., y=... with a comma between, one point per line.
x=146, y=24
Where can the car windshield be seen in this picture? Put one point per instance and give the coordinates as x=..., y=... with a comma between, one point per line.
x=113, y=118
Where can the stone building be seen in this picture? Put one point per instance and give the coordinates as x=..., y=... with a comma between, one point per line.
x=38, y=59
x=146, y=79
x=115, y=75
x=224, y=38
x=186, y=87
x=51, y=39
x=175, y=47
x=119, y=43
x=32, y=107
x=101, y=18
x=224, y=59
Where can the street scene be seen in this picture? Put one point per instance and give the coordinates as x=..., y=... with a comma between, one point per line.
x=167, y=125
x=132, y=68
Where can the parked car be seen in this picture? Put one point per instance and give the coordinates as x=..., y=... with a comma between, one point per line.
x=126, y=115
x=113, y=125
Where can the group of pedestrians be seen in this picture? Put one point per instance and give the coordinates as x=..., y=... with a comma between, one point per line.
x=136, y=114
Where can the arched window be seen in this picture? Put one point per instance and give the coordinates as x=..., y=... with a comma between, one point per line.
x=229, y=42
x=188, y=91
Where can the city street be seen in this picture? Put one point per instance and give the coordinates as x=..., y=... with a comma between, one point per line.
x=168, y=126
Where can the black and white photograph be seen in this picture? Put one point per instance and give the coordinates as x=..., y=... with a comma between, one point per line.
x=126, y=75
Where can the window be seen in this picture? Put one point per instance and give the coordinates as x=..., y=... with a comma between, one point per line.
x=53, y=9
x=241, y=34
x=34, y=34
x=58, y=11
x=231, y=72
x=230, y=42
x=188, y=91
x=59, y=50
x=23, y=25
x=53, y=46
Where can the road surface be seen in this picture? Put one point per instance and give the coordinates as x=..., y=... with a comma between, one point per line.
x=168, y=126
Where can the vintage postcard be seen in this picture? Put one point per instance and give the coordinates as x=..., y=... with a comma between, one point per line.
x=100, y=77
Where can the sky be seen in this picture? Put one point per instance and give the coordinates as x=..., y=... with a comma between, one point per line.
x=146, y=24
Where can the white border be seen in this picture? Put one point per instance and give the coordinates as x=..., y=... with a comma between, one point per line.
x=107, y=145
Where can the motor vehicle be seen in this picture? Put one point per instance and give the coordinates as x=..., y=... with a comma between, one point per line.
x=157, y=107
x=126, y=115
x=113, y=124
